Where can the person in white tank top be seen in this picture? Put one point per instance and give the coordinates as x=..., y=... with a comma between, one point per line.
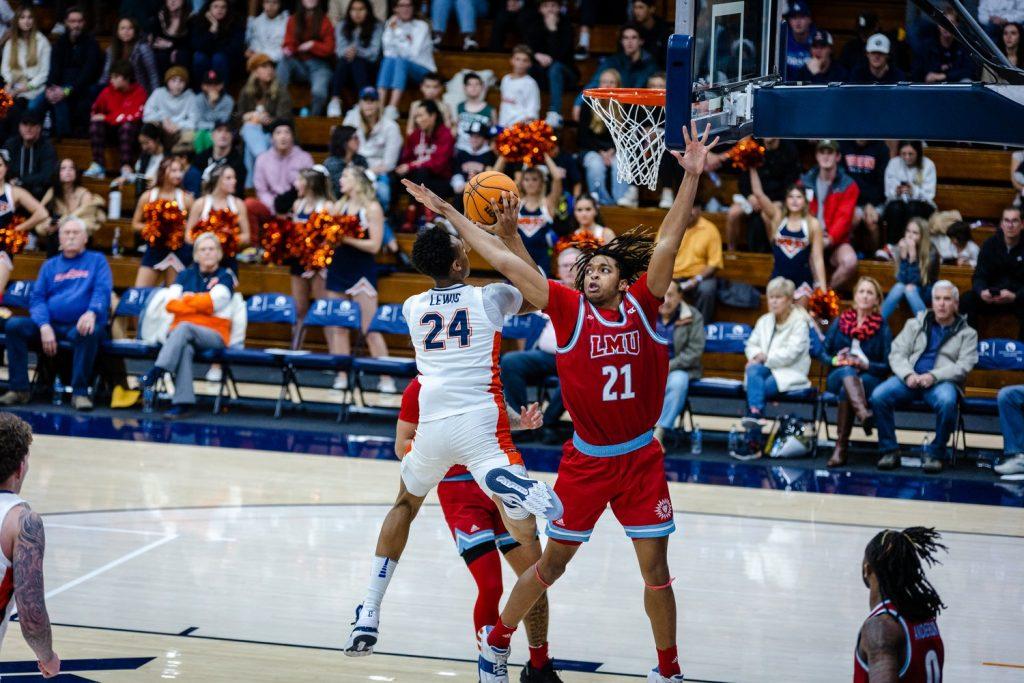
x=22, y=545
x=456, y=332
x=160, y=266
x=219, y=184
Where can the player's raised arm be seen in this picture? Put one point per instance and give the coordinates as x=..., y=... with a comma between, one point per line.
x=524, y=276
x=659, y=272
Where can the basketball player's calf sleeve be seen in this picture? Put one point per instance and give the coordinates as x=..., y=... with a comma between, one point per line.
x=486, y=571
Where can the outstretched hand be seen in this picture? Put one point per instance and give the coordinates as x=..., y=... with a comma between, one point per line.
x=530, y=416
x=507, y=213
x=697, y=148
x=425, y=197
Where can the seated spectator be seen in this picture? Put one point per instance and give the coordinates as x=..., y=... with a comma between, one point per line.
x=473, y=110
x=33, y=160
x=996, y=14
x=599, y=157
x=1011, y=46
x=264, y=33
x=431, y=88
x=910, y=182
x=962, y=249
x=159, y=264
x=15, y=199
x=698, y=260
x=683, y=327
x=408, y=55
x=477, y=157
x=798, y=251
x=876, y=68
x=632, y=62
x=262, y=100
x=998, y=281
x=857, y=347
x=586, y=220
x=855, y=50
x=779, y=170
x=199, y=301
x=308, y=51
x=342, y=150
x=171, y=41
x=211, y=105
x=512, y=16
x=520, y=94
x=223, y=152
x=801, y=32
x=67, y=198
x=152, y=151
x=654, y=30
x=116, y=114
x=276, y=171
x=352, y=274
x=357, y=43
x=820, y=68
x=128, y=44
x=220, y=185
x=930, y=360
x=778, y=350
x=380, y=141
x=70, y=301
x=531, y=367
x=917, y=266
x=172, y=107
x=25, y=64
x=427, y=154
x=834, y=199
x=865, y=161
x=465, y=11
x=217, y=41
x=1011, y=424
x=551, y=40
x=537, y=210
x=947, y=60
x=75, y=64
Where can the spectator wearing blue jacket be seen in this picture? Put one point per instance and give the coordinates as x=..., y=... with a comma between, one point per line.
x=634, y=64
x=70, y=301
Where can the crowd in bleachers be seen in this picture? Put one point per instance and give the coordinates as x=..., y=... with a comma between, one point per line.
x=197, y=99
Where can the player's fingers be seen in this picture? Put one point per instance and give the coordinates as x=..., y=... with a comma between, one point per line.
x=714, y=143
x=686, y=134
x=677, y=155
x=707, y=133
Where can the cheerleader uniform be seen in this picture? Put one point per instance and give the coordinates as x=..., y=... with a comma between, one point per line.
x=159, y=257
x=791, y=253
x=6, y=218
x=352, y=271
x=296, y=269
x=538, y=235
x=229, y=262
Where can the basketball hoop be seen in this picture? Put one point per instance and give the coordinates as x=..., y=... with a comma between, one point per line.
x=635, y=117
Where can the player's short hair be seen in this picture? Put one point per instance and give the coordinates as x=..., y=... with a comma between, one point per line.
x=631, y=252
x=433, y=252
x=15, y=439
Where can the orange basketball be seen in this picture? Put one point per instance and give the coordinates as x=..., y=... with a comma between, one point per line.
x=481, y=190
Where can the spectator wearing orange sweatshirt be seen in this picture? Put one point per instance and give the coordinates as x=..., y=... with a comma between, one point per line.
x=116, y=113
x=308, y=49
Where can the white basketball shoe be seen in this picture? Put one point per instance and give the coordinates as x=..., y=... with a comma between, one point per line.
x=364, y=633
x=492, y=664
x=656, y=677
x=535, y=497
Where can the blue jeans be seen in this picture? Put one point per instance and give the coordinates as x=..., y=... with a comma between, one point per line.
x=396, y=72
x=317, y=72
x=256, y=141
x=761, y=386
x=519, y=369
x=834, y=382
x=900, y=291
x=218, y=61
x=465, y=11
x=596, y=175
x=676, y=389
x=359, y=73
x=1011, y=418
x=943, y=398
x=383, y=187
x=23, y=334
x=558, y=76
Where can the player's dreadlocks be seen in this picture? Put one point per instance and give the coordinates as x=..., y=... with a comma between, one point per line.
x=896, y=558
x=631, y=251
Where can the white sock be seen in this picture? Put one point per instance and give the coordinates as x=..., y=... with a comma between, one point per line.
x=380, y=577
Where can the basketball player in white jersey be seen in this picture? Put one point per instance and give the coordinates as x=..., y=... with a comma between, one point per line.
x=456, y=332
x=22, y=544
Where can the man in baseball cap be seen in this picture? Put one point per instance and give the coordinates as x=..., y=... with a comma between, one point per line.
x=820, y=68
x=877, y=68
x=798, y=42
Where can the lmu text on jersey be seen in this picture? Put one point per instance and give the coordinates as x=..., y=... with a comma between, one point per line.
x=622, y=344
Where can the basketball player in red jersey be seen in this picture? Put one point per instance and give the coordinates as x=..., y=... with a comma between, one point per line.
x=900, y=639
x=22, y=544
x=612, y=367
x=479, y=534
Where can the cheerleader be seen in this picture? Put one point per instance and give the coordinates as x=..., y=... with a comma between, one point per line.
x=160, y=263
x=219, y=184
x=14, y=198
x=313, y=192
x=353, y=271
x=586, y=220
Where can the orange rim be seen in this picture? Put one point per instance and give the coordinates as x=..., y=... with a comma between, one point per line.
x=648, y=97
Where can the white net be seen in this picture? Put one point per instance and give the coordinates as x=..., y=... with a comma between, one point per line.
x=638, y=131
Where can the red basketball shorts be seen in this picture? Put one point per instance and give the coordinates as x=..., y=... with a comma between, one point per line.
x=473, y=518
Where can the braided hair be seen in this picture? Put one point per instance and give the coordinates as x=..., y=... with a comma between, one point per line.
x=897, y=559
x=631, y=252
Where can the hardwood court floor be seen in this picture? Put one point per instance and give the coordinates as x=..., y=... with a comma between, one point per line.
x=205, y=564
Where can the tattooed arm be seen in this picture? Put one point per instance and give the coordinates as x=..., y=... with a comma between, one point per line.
x=29, y=594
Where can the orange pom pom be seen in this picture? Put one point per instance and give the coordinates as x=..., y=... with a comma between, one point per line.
x=13, y=240
x=746, y=154
x=314, y=242
x=164, y=224
x=824, y=305
x=526, y=143
x=274, y=234
x=223, y=223
x=584, y=240
x=6, y=102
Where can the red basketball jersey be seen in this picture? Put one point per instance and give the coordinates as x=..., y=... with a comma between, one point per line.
x=410, y=412
x=612, y=364
x=924, y=655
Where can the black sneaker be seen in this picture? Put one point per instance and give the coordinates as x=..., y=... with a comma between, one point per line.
x=546, y=674
x=581, y=53
x=889, y=461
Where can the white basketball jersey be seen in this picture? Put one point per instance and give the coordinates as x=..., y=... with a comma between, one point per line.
x=8, y=501
x=456, y=332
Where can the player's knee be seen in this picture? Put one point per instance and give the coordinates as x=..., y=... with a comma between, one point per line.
x=655, y=572
x=550, y=569
x=407, y=503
